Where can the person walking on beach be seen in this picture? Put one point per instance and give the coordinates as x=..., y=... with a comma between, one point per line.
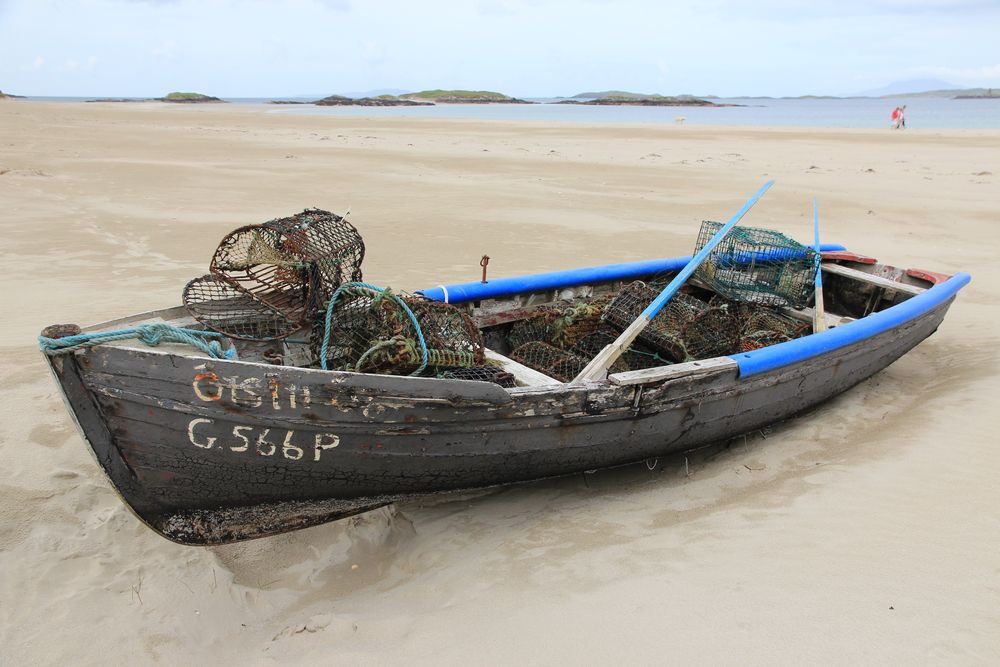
x=898, y=118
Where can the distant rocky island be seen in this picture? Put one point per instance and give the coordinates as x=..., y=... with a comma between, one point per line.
x=379, y=101
x=422, y=98
x=463, y=97
x=176, y=98
x=624, y=98
x=188, y=98
x=979, y=94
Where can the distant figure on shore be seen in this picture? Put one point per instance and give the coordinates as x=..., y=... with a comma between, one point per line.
x=898, y=118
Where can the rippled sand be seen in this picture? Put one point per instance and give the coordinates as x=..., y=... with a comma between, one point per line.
x=866, y=531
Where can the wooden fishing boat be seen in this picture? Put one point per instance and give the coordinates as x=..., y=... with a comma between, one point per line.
x=208, y=451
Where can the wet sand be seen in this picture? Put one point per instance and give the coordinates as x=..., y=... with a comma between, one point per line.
x=866, y=531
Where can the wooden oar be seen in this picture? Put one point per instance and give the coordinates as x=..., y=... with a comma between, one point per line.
x=598, y=367
x=819, y=316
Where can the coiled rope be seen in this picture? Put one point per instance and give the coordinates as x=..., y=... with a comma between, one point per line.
x=359, y=288
x=150, y=334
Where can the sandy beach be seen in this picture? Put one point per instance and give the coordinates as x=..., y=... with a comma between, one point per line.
x=865, y=532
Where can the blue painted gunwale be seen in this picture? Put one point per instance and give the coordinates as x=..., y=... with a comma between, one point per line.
x=784, y=354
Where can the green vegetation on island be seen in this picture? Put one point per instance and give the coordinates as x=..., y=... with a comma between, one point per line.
x=422, y=98
x=463, y=97
x=611, y=93
x=188, y=98
x=9, y=96
x=621, y=97
x=380, y=101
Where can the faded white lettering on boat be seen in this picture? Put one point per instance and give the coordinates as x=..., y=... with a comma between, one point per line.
x=207, y=387
x=292, y=446
x=275, y=397
x=325, y=441
x=249, y=392
x=207, y=442
x=289, y=450
x=245, y=393
x=238, y=432
x=262, y=440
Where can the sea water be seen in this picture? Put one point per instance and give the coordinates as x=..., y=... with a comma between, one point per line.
x=935, y=113
x=857, y=112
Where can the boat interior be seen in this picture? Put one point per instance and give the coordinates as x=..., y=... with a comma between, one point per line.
x=540, y=337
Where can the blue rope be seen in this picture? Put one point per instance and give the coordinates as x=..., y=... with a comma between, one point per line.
x=150, y=334
x=368, y=286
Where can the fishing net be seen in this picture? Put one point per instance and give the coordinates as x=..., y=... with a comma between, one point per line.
x=370, y=330
x=287, y=268
x=755, y=265
x=550, y=360
x=663, y=333
x=481, y=374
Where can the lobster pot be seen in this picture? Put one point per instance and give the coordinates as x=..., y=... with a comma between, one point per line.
x=289, y=266
x=224, y=308
x=663, y=333
x=758, y=266
x=764, y=327
x=711, y=333
x=538, y=327
x=578, y=320
x=635, y=358
x=481, y=374
x=550, y=360
x=561, y=326
x=372, y=331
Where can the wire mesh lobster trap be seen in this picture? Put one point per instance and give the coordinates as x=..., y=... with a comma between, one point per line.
x=537, y=327
x=224, y=308
x=482, y=374
x=370, y=330
x=561, y=326
x=713, y=332
x=636, y=357
x=578, y=320
x=283, y=270
x=663, y=333
x=561, y=365
x=764, y=327
x=756, y=265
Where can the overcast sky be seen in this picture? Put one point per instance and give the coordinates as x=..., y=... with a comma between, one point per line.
x=526, y=48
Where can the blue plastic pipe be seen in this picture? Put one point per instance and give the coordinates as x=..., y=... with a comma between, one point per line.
x=540, y=282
